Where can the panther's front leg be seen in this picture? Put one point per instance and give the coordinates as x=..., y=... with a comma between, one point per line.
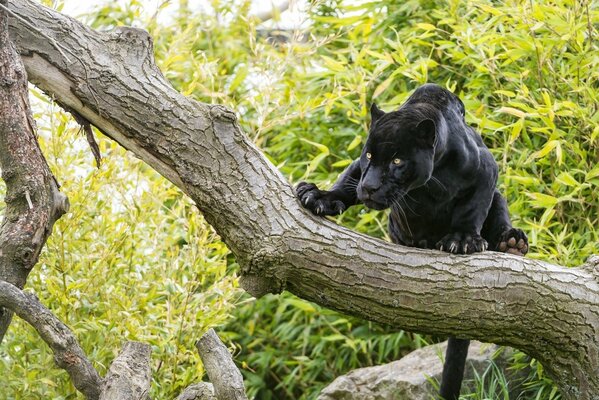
x=467, y=220
x=500, y=233
x=331, y=202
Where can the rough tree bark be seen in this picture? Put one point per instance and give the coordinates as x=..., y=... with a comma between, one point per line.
x=548, y=311
x=129, y=375
x=33, y=202
x=222, y=371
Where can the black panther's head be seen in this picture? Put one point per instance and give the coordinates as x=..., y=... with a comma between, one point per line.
x=398, y=156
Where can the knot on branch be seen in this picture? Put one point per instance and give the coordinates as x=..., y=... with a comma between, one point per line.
x=25, y=256
x=134, y=45
x=198, y=391
x=592, y=264
x=222, y=113
x=134, y=37
x=260, y=274
x=258, y=286
x=7, y=81
x=61, y=204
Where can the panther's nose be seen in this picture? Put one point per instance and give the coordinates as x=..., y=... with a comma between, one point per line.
x=369, y=189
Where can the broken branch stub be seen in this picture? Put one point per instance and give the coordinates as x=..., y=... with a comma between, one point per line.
x=219, y=365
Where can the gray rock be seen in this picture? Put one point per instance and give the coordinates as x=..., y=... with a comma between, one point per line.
x=405, y=379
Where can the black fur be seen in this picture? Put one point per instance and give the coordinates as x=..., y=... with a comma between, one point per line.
x=438, y=178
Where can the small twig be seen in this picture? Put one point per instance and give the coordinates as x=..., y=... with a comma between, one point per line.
x=222, y=371
x=67, y=352
x=24, y=21
x=89, y=135
x=87, y=129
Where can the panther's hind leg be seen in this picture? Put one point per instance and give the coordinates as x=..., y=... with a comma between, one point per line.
x=498, y=231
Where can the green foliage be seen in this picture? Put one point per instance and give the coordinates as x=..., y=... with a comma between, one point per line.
x=291, y=348
x=133, y=260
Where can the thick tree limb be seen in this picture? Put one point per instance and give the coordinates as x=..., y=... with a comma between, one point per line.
x=67, y=352
x=129, y=375
x=219, y=365
x=548, y=311
x=33, y=202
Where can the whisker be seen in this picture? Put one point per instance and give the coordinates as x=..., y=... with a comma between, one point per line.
x=411, y=198
x=403, y=219
x=409, y=208
x=438, y=182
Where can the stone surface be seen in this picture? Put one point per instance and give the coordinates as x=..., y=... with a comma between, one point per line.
x=405, y=379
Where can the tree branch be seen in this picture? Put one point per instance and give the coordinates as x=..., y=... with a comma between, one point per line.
x=550, y=312
x=270, y=14
x=198, y=391
x=222, y=371
x=33, y=202
x=129, y=375
x=68, y=355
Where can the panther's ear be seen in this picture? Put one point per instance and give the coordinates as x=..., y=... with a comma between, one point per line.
x=427, y=132
x=375, y=113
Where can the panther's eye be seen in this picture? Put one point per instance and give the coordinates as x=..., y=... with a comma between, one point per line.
x=397, y=161
x=368, y=156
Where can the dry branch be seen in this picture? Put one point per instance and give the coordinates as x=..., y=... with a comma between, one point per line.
x=219, y=365
x=129, y=375
x=550, y=312
x=67, y=352
x=33, y=202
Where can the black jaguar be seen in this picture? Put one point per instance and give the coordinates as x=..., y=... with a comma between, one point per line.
x=438, y=178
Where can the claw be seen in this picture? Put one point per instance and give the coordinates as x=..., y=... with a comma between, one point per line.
x=466, y=248
x=452, y=247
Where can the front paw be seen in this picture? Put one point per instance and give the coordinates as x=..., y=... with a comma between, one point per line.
x=320, y=202
x=513, y=241
x=462, y=243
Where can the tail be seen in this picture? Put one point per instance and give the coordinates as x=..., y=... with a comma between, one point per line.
x=453, y=369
